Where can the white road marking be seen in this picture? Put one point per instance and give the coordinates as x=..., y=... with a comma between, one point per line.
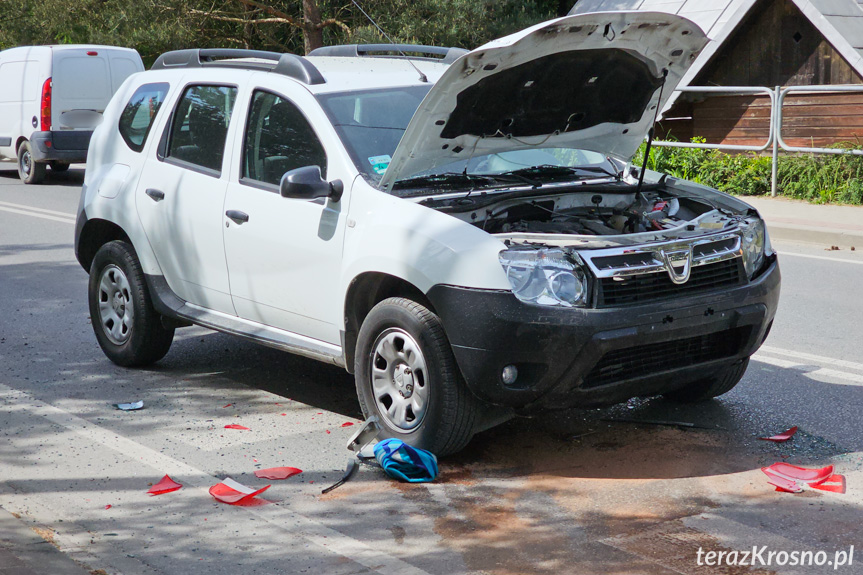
x=812, y=357
x=275, y=514
x=825, y=258
x=822, y=372
x=65, y=220
x=34, y=209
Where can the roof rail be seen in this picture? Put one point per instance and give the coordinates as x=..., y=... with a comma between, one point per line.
x=290, y=65
x=450, y=55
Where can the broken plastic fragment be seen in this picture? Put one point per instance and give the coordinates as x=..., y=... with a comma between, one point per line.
x=790, y=478
x=130, y=406
x=235, y=426
x=347, y=424
x=109, y=506
x=277, y=472
x=835, y=484
x=229, y=405
x=234, y=493
x=165, y=485
x=784, y=436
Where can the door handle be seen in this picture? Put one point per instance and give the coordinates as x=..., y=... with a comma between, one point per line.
x=155, y=195
x=238, y=216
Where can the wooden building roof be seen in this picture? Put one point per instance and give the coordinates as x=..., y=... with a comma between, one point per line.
x=839, y=21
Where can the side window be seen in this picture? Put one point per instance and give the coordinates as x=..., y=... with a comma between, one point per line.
x=200, y=125
x=139, y=113
x=278, y=139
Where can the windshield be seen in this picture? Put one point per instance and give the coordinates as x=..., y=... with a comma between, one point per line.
x=371, y=123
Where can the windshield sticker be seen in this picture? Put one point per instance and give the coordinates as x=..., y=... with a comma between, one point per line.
x=380, y=163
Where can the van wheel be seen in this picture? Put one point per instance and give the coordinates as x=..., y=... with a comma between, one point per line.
x=406, y=374
x=58, y=167
x=710, y=387
x=128, y=329
x=29, y=170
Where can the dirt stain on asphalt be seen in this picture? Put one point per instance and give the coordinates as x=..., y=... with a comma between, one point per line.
x=532, y=504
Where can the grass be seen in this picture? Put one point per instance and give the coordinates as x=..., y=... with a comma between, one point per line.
x=817, y=178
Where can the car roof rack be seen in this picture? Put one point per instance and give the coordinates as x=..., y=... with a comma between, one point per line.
x=290, y=65
x=449, y=55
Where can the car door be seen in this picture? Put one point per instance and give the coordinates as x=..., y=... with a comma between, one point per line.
x=284, y=254
x=181, y=194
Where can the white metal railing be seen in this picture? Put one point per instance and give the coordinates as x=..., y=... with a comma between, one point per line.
x=774, y=137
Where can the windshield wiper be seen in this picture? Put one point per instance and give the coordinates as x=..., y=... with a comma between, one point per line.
x=448, y=178
x=550, y=170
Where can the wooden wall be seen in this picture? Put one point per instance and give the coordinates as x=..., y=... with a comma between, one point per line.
x=810, y=120
x=776, y=45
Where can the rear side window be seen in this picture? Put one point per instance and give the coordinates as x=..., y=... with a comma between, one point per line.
x=278, y=140
x=200, y=125
x=139, y=113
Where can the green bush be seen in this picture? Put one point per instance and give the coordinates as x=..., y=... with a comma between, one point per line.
x=818, y=178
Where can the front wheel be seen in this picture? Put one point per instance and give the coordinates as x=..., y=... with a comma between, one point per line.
x=128, y=329
x=407, y=376
x=29, y=170
x=710, y=387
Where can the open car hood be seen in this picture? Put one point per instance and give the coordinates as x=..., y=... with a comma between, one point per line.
x=588, y=81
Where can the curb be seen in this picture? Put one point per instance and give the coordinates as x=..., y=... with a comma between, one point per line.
x=811, y=235
x=23, y=552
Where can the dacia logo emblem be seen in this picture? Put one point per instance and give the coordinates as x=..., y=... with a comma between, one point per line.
x=678, y=263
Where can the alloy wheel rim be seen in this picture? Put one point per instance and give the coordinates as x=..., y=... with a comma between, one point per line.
x=399, y=380
x=115, y=308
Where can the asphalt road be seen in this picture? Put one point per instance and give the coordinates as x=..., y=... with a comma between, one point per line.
x=569, y=492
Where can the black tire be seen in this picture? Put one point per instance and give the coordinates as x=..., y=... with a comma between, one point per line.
x=710, y=387
x=451, y=411
x=128, y=329
x=29, y=170
x=58, y=167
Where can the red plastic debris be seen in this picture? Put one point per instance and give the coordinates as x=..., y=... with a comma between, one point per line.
x=233, y=493
x=235, y=426
x=790, y=478
x=784, y=436
x=283, y=414
x=835, y=484
x=109, y=506
x=229, y=405
x=328, y=431
x=277, y=472
x=165, y=485
x=347, y=424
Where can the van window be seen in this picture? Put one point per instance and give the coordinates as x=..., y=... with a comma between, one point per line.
x=200, y=125
x=139, y=113
x=81, y=78
x=121, y=68
x=278, y=139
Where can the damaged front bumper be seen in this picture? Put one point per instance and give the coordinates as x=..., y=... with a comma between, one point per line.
x=586, y=357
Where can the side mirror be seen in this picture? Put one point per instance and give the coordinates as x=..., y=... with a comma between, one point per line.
x=307, y=184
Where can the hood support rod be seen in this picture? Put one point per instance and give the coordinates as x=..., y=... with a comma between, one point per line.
x=650, y=135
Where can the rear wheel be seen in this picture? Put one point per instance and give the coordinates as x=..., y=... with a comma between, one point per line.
x=128, y=329
x=407, y=376
x=710, y=387
x=29, y=170
x=58, y=166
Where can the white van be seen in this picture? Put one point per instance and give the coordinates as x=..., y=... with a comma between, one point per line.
x=51, y=98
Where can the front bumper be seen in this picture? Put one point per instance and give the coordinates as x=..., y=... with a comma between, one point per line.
x=60, y=146
x=573, y=357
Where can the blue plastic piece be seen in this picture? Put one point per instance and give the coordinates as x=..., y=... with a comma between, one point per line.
x=406, y=463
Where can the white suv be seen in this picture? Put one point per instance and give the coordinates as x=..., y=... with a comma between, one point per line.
x=462, y=231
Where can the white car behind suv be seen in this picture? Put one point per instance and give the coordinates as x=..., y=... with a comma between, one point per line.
x=462, y=231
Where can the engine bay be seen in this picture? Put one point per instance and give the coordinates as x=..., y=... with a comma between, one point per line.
x=610, y=214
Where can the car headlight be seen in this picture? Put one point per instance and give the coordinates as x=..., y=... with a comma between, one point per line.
x=754, y=243
x=545, y=277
